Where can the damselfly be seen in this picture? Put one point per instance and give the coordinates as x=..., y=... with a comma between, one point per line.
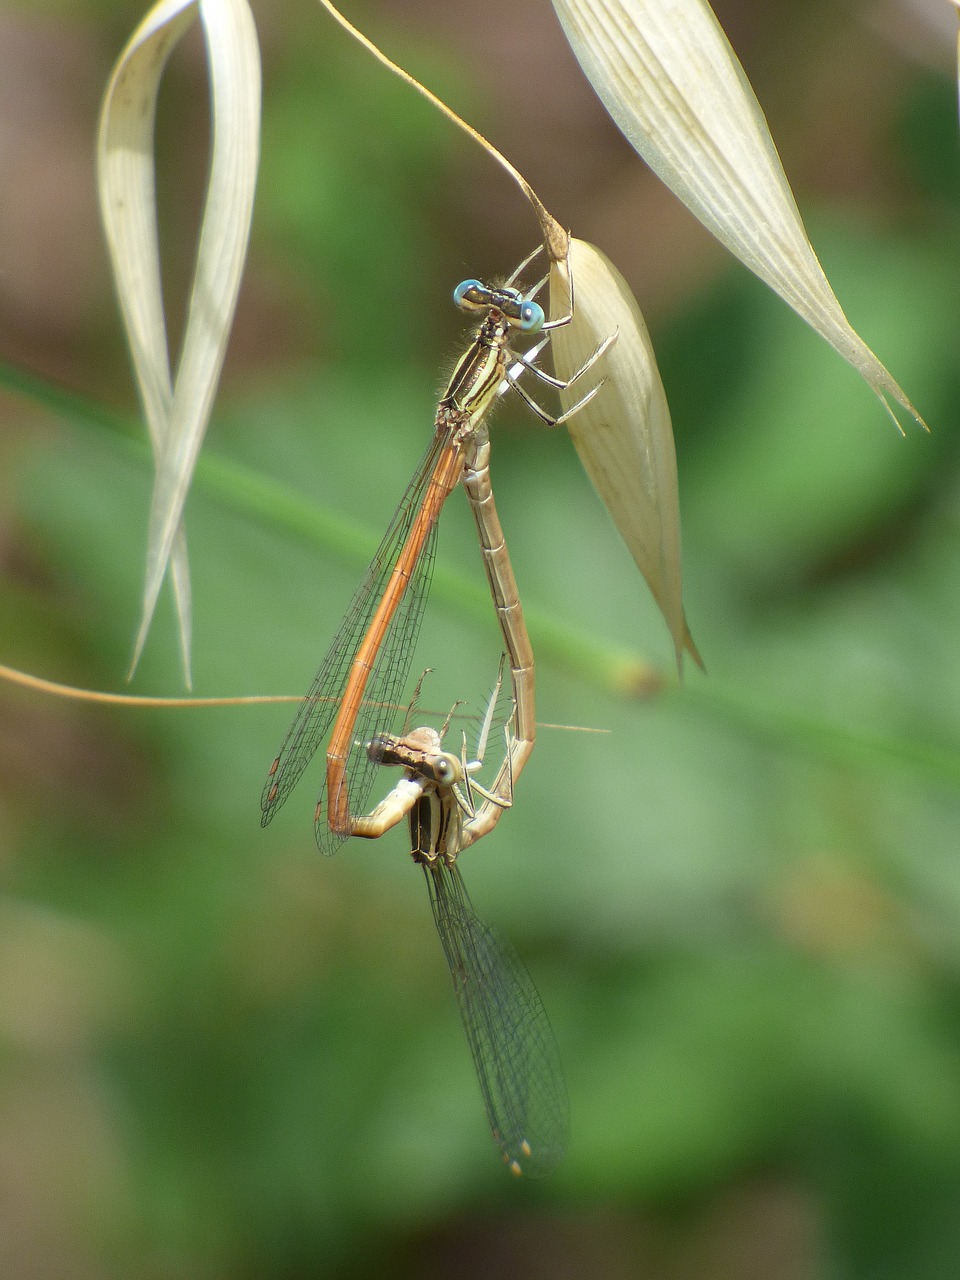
x=514, y=1051
x=362, y=677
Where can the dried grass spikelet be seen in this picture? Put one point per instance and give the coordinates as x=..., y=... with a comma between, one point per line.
x=667, y=75
x=623, y=435
x=177, y=408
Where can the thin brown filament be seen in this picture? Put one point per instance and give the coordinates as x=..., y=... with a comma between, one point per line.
x=555, y=239
x=52, y=688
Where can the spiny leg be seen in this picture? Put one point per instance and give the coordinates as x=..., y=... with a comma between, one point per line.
x=524, y=362
x=515, y=274
x=470, y=767
x=414, y=700
x=484, y=818
x=547, y=418
x=488, y=714
x=446, y=724
x=504, y=798
x=560, y=321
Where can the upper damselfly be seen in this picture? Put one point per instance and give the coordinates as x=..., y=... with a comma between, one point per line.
x=357, y=688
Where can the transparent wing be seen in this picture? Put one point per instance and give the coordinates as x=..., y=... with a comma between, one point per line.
x=318, y=709
x=381, y=711
x=514, y=1050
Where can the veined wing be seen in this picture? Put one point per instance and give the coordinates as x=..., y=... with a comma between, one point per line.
x=513, y=1047
x=381, y=712
x=317, y=711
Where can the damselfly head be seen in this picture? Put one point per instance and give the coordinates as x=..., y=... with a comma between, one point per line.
x=520, y=312
x=417, y=750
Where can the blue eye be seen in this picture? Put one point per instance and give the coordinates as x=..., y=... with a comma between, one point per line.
x=461, y=291
x=531, y=317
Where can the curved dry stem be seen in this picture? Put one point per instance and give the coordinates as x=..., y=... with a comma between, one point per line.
x=51, y=687
x=555, y=238
x=75, y=694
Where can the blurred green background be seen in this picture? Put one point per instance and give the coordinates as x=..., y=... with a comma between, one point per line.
x=224, y=1057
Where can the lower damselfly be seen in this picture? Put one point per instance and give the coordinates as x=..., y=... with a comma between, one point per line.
x=512, y=1044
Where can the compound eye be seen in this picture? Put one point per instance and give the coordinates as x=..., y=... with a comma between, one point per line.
x=531, y=317
x=463, y=290
x=446, y=770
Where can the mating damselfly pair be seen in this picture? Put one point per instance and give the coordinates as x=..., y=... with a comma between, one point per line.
x=353, y=704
